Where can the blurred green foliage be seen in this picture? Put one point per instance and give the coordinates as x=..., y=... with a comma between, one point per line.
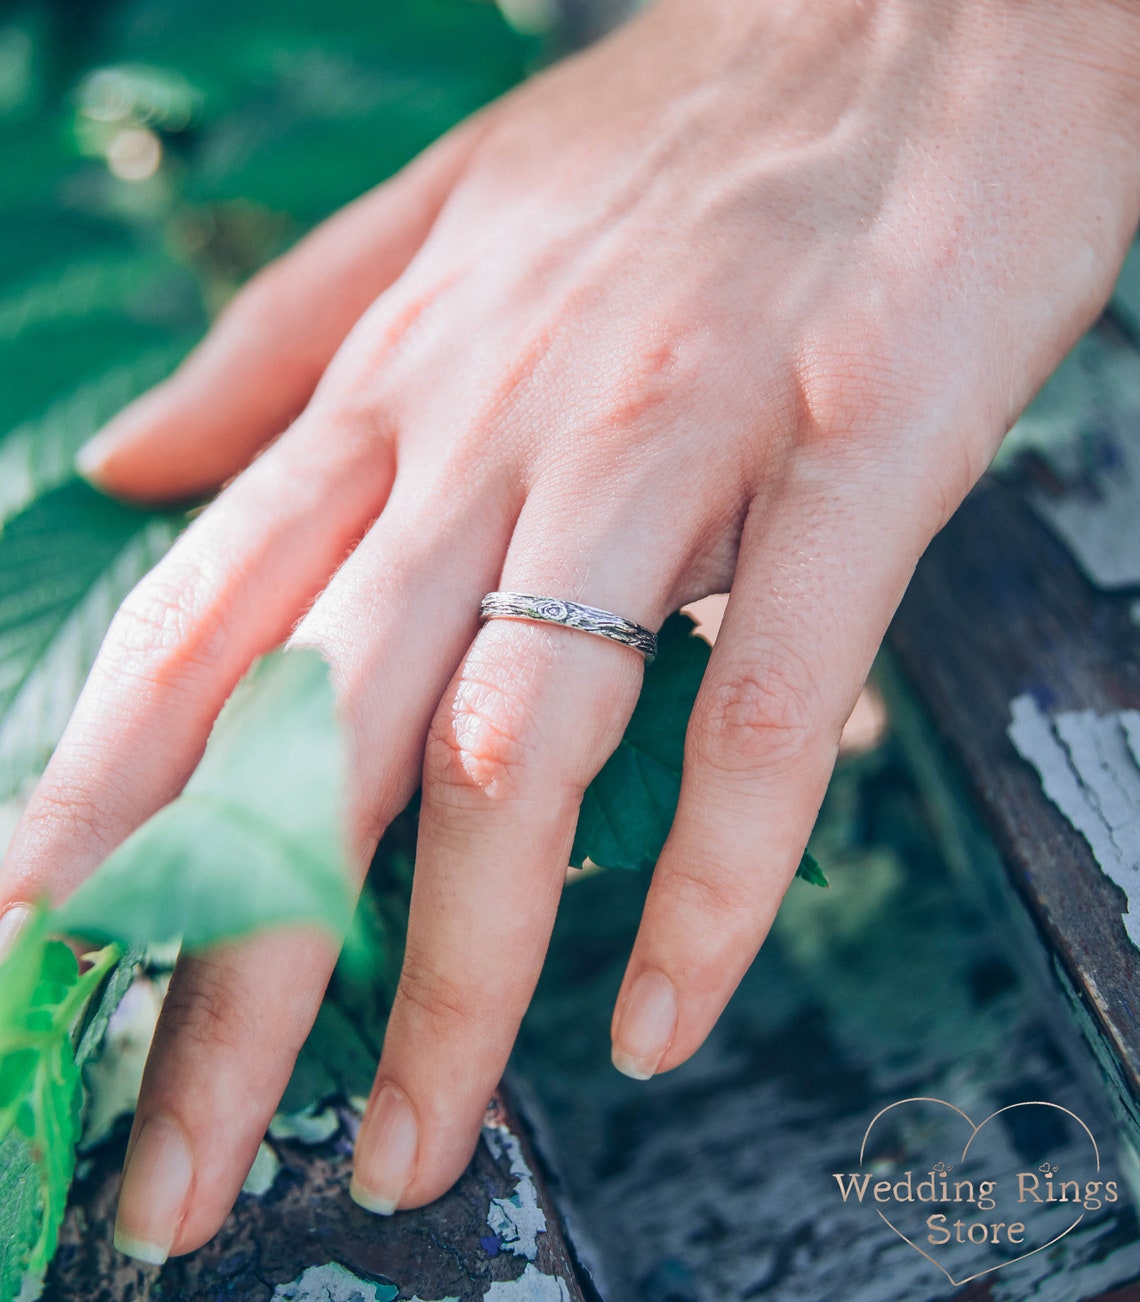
x=152, y=155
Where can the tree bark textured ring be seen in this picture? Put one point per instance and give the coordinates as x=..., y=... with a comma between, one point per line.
x=569, y=614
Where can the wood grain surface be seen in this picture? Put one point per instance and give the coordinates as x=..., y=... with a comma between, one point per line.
x=998, y=608
x=446, y=1250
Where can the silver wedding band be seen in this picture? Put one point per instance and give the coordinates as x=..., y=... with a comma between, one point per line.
x=569, y=614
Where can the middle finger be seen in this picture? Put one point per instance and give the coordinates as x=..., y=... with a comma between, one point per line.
x=393, y=624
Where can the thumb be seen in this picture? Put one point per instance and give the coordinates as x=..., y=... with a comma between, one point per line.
x=257, y=368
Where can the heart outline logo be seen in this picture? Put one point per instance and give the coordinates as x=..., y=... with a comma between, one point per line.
x=974, y=1131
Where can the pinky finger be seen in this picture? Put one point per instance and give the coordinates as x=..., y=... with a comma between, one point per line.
x=805, y=618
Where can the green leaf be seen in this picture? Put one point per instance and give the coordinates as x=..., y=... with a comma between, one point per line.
x=21, y=1212
x=255, y=839
x=41, y=368
x=42, y=235
x=299, y=107
x=39, y=454
x=101, y=1010
x=44, y=999
x=30, y=164
x=54, y=1135
x=810, y=870
x=629, y=807
x=65, y=564
x=24, y=35
x=137, y=286
x=335, y=1062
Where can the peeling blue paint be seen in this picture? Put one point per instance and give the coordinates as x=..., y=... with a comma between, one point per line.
x=1089, y=766
x=310, y=1126
x=531, y=1286
x=517, y=1220
x=333, y=1283
x=263, y=1173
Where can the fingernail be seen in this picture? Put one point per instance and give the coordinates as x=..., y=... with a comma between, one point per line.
x=156, y=1184
x=12, y=922
x=646, y=1025
x=385, y=1152
x=92, y=456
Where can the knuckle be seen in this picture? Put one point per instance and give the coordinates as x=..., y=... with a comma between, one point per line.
x=853, y=382
x=755, y=721
x=171, y=627
x=481, y=738
x=70, y=813
x=377, y=364
x=718, y=903
x=475, y=744
x=448, y=1006
x=207, y=1007
x=654, y=373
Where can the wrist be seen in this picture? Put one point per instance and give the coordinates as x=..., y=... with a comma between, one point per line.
x=1097, y=38
x=1059, y=74
x=1091, y=54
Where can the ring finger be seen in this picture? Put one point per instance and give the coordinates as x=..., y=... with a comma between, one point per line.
x=530, y=717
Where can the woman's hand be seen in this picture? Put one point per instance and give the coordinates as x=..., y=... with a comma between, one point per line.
x=745, y=297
